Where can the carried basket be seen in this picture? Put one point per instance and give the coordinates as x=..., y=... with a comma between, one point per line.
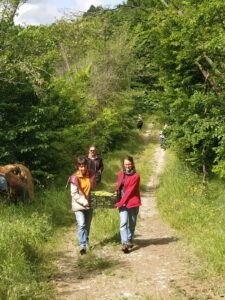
x=102, y=199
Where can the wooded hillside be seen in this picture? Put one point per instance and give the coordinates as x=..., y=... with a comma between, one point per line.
x=84, y=80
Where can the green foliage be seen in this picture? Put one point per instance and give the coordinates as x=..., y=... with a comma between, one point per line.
x=60, y=85
x=26, y=116
x=93, y=10
x=179, y=51
x=196, y=211
x=193, y=129
x=80, y=75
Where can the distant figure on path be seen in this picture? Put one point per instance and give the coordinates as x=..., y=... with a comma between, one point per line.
x=129, y=200
x=139, y=122
x=161, y=138
x=81, y=184
x=95, y=163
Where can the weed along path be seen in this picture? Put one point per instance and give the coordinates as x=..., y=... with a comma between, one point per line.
x=158, y=267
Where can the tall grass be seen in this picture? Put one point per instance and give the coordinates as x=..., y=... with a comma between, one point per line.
x=197, y=212
x=22, y=259
x=26, y=238
x=105, y=226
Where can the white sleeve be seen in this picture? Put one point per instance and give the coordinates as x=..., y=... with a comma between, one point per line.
x=76, y=195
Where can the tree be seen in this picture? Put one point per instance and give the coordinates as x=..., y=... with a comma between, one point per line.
x=181, y=49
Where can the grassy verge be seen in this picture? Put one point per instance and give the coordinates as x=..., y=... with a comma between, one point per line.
x=197, y=212
x=28, y=235
x=23, y=272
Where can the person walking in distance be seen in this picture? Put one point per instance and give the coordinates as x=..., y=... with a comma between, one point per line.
x=81, y=184
x=139, y=122
x=95, y=163
x=129, y=200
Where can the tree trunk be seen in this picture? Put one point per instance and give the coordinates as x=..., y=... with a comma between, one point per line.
x=64, y=56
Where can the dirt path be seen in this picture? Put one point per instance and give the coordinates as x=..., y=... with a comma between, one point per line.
x=159, y=266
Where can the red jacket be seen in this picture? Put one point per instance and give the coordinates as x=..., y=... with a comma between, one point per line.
x=131, y=196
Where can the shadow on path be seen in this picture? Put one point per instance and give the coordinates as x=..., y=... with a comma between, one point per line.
x=141, y=243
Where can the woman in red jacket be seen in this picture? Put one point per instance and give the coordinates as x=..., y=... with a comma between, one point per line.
x=128, y=189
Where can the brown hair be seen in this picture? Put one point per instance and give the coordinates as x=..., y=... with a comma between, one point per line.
x=81, y=160
x=130, y=159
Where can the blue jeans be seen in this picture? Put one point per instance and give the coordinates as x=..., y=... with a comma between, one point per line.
x=128, y=219
x=83, y=218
